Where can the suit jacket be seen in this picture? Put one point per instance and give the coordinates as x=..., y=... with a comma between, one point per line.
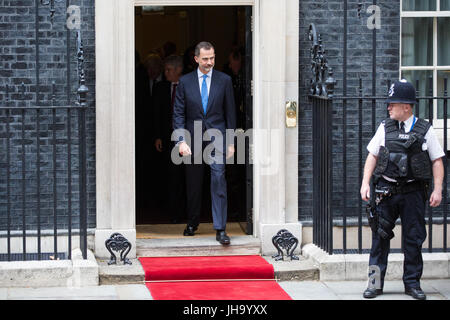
x=162, y=110
x=220, y=112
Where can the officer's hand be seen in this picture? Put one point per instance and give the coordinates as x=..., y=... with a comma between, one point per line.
x=365, y=191
x=435, y=198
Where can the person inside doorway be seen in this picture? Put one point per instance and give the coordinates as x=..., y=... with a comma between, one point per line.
x=164, y=98
x=188, y=60
x=235, y=189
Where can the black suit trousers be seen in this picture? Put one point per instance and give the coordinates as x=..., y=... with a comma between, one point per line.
x=194, y=188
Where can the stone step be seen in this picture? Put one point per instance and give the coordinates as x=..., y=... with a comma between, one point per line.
x=119, y=273
x=304, y=269
x=197, y=246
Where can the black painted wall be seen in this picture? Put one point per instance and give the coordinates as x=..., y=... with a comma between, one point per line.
x=328, y=17
x=24, y=32
x=18, y=64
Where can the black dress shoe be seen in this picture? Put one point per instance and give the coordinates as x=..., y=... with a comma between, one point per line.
x=372, y=293
x=189, y=231
x=222, y=237
x=416, y=293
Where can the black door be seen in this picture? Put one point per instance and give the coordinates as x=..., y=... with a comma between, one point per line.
x=247, y=225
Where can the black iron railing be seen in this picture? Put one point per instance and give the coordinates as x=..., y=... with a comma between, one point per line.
x=336, y=197
x=39, y=176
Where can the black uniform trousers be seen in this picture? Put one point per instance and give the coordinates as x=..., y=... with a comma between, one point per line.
x=411, y=209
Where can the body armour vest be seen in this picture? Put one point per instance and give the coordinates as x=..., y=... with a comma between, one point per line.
x=402, y=156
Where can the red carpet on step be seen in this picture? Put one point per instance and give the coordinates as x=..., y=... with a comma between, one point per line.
x=211, y=278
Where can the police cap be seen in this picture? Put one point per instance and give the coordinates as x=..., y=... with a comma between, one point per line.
x=401, y=91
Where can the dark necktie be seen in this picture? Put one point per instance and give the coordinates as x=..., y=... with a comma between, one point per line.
x=402, y=127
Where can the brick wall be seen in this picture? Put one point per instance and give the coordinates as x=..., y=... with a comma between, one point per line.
x=56, y=63
x=328, y=17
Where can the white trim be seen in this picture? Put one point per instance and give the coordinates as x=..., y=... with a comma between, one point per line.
x=424, y=14
x=191, y=3
x=256, y=85
x=435, y=58
x=401, y=40
x=439, y=68
x=431, y=68
x=437, y=123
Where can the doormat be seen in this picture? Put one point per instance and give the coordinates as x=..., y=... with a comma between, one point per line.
x=175, y=231
x=211, y=278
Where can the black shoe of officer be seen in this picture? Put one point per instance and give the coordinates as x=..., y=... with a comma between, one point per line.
x=370, y=293
x=416, y=293
x=222, y=237
x=189, y=231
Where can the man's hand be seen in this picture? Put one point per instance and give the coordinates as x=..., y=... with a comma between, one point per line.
x=438, y=177
x=436, y=198
x=158, y=145
x=184, y=149
x=369, y=167
x=365, y=191
x=230, y=151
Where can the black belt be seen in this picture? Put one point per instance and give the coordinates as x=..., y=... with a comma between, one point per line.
x=404, y=187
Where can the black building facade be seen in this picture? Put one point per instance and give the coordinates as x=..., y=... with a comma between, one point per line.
x=39, y=67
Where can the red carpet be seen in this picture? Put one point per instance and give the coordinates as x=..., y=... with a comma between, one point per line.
x=205, y=278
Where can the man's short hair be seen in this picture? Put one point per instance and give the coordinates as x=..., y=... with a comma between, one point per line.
x=152, y=60
x=202, y=45
x=174, y=60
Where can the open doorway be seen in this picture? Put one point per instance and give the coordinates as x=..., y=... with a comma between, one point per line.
x=164, y=31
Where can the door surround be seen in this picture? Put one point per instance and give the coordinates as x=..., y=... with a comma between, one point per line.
x=275, y=147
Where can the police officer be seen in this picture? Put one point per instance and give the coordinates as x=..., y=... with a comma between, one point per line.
x=403, y=156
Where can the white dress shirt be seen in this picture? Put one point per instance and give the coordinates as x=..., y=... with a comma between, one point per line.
x=208, y=79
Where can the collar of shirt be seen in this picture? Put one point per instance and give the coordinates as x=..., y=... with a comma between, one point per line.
x=200, y=74
x=408, y=123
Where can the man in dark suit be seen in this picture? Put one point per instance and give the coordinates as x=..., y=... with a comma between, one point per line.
x=164, y=98
x=205, y=98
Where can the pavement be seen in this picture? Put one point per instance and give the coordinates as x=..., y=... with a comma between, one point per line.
x=438, y=289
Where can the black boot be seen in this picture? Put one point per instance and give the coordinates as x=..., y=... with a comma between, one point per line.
x=189, y=231
x=416, y=293
x=222, y=237
x=372, y=293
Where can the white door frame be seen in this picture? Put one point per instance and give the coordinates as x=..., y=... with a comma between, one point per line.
x=275, y=76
